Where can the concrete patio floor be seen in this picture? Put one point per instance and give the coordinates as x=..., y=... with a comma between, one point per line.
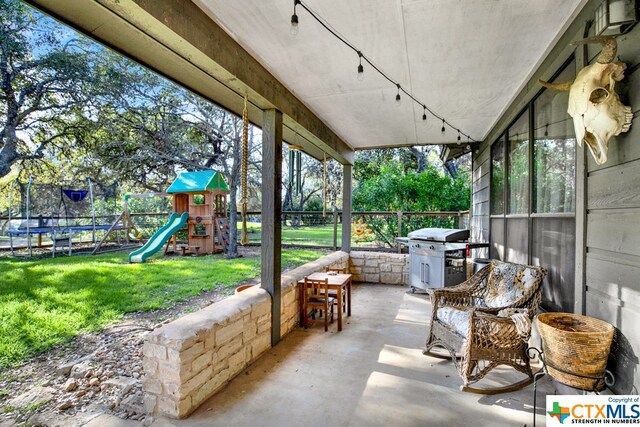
x=373, y=373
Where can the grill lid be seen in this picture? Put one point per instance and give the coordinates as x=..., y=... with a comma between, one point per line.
x=439, y=234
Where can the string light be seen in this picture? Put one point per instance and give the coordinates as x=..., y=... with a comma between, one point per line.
x=458, y=136
x=546, y=129
x=361, y=57
x=294, y=19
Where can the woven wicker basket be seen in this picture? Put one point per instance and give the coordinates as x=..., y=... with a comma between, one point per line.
x=575, y=348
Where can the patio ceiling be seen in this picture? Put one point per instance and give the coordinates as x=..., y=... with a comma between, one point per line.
x=466, y=60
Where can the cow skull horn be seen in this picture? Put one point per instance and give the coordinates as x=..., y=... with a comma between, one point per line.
x=609, y=47
x=598, y=114
x=563, y=87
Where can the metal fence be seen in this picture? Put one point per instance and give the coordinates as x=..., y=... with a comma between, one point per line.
x=369, y=230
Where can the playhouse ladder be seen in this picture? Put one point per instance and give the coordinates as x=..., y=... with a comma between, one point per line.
x=222, y=232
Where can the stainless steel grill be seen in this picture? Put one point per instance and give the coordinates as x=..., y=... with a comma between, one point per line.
x=437, y=258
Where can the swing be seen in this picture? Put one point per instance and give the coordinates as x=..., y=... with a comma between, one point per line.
x=243, y=179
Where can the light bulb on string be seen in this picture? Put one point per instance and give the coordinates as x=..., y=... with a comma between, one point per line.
x=294, y=30
x=546, y=129
x=294, y=19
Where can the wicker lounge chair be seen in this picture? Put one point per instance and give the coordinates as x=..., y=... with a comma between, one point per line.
x=486, y=322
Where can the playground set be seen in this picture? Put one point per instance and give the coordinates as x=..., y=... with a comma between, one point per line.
x=200, y=210
x=64, y=214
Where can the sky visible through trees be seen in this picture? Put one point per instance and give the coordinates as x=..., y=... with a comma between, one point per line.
x=71, y=108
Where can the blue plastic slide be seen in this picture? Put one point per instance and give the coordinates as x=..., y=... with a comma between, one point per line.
x=159, y=238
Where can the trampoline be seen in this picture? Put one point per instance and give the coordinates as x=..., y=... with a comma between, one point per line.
x=24, y=232
x=58, y=212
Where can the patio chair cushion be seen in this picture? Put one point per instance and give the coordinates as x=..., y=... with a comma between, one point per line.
x=454, y=319
x=507, y=284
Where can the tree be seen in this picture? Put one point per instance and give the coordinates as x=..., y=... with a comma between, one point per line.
x=394, y=190
x=367, y=163
x=309, y=195
x=295, y=199
x=155, y=130
x=223, y=131
x=46, y=77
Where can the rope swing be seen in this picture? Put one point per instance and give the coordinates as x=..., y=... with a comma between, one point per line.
x=243, y=180
x=324, y=186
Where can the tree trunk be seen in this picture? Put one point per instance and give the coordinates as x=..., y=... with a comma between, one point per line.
x=287, y=204
x=421, y=157
x=451, y=168
x=8, y=150
x=234, y=176
x=232, y=250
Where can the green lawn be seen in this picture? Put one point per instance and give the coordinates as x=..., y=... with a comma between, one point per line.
x=317, y=235
x=48, y=301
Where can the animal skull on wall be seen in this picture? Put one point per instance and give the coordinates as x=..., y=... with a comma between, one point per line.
x=594, y=105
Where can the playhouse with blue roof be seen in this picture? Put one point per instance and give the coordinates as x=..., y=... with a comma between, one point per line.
x=203, y=194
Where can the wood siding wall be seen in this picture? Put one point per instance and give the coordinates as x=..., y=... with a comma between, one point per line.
x=479, y=223
x=609, y=203
x=612, y=265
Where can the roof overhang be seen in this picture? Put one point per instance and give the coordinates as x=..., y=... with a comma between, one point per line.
x=466, y=60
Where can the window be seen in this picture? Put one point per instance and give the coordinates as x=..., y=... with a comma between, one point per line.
x=198, y=199
x=496, y=247
x=554, y=194
x=533, y=193
x=497, y=177
x=519, y=165
x=554, y=151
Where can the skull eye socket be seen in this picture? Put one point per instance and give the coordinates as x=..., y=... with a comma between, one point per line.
x=598, y=95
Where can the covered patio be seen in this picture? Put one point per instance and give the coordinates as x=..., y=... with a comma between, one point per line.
x=371, y=373
x=466, y=75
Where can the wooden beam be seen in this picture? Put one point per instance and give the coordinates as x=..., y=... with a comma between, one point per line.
x=346, y=208
x=580, y=279
x=271, y=245
x=181, y=42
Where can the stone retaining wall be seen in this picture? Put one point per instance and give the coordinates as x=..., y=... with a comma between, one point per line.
x=379, y=267
x=189, y=359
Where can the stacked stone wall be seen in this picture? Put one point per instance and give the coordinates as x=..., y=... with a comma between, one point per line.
x=379, y=267
x=191, y=358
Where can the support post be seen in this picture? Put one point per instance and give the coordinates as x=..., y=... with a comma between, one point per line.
x=271, y=246
x=346, y=208
x=399, y=213
x=335, y=229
